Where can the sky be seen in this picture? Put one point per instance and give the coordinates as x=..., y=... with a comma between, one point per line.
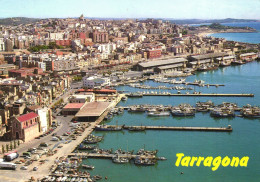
x=175, y=9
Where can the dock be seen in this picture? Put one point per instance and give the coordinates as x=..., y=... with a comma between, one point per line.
x=212, y=129
x=196, y=95
x=104, y=156
x=109, y=156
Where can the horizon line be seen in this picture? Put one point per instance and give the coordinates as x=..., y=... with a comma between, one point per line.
x=131, y=18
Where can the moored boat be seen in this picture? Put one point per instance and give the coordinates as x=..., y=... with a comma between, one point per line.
x=158, y=113
x=108, y=128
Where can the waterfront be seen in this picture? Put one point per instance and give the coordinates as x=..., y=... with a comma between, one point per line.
x=243, y=141
x=253, y=37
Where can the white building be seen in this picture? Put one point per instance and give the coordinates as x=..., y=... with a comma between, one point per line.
x=43, y=113
x=82, y=98
x=91, y=82
x=42, y=65
x=2, y=44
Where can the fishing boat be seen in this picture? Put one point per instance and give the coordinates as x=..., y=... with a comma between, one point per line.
x=135, y=95
x=120, y=160
x=208, y=68
x=91, y=139
x=204, y=106
x=238, y=62
x=136, y=128
x=144, y=161
x=108, y=128
x=158, y=113
x=250, y=112
x=219, y=112
x=136, y=109
x=87, y=166
x=124, y=98
x=182, y=112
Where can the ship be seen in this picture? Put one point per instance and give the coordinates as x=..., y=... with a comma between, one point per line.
x=135, y=95
x=91, y=139
x=124, y=98
x=86, y=147
x=178, y=112
x=87, y=166
x=250, y=112
x=120, y=160
x=144, y=161
x=208, y=68
x=108, y=128
x=136, y=128
x=204, y=106
x=136, y=109
x=238, y=62
x=220, y=112
x=158, y=113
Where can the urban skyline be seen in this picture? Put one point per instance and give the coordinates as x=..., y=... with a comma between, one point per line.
x=186, y=9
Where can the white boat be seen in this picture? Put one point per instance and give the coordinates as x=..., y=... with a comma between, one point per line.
x=157, y=113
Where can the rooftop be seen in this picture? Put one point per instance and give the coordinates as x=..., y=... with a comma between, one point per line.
x=27, y=117
x=93, y=109
x=163, y=62
x=73, y=105
x=248, y=54
x=208, y=56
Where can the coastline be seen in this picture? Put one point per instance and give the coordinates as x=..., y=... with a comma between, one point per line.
x=208, y=32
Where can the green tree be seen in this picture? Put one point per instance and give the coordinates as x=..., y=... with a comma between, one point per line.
x=18, y=142
x=15, y=144
x=7, y=147
x=11, y=146
x=3, y=149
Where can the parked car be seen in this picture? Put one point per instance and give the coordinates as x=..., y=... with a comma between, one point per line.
x=44, y=144
x=35, y=168
x=54, y=139
x=23, y=168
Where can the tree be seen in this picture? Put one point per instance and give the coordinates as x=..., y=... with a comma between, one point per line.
x=14, y=144
x=7, y=147
x=3, y=149
x=11, y=146
x=18, y=142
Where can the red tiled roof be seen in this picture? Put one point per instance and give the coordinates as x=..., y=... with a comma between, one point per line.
x=73, y=105
x=27, y=117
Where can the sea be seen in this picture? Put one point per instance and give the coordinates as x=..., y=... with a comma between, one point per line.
x=243, y=141
x=253, y=37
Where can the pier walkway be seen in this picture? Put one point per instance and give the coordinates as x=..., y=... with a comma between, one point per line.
x=196, y=95
x=216, y=129
x=104, y=156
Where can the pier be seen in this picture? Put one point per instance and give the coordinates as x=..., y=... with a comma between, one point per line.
x=195, y=95
x=214, y=129
x=85, y=155
x=104, y=156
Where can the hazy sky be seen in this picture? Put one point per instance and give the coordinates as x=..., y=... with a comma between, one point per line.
x=177, y=9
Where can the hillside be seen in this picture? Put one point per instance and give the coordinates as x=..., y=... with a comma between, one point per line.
x=17, y=21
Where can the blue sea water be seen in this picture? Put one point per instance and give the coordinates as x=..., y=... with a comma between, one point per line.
x=253, y=37
x=243, y=141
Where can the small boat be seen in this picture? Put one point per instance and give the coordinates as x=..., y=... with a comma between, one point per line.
x=120, y=160
x=124, y=98
x=88, y=166
x=178, y=112
x=135, y=95
x=86, y=147
x=136, y=128
x=218, y=112
x=158, y=113
x=144, y=161
x=108, y=128
x=238, y=62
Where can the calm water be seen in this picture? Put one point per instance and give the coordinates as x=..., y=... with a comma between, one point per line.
x=242, y=37
x=243, y=141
